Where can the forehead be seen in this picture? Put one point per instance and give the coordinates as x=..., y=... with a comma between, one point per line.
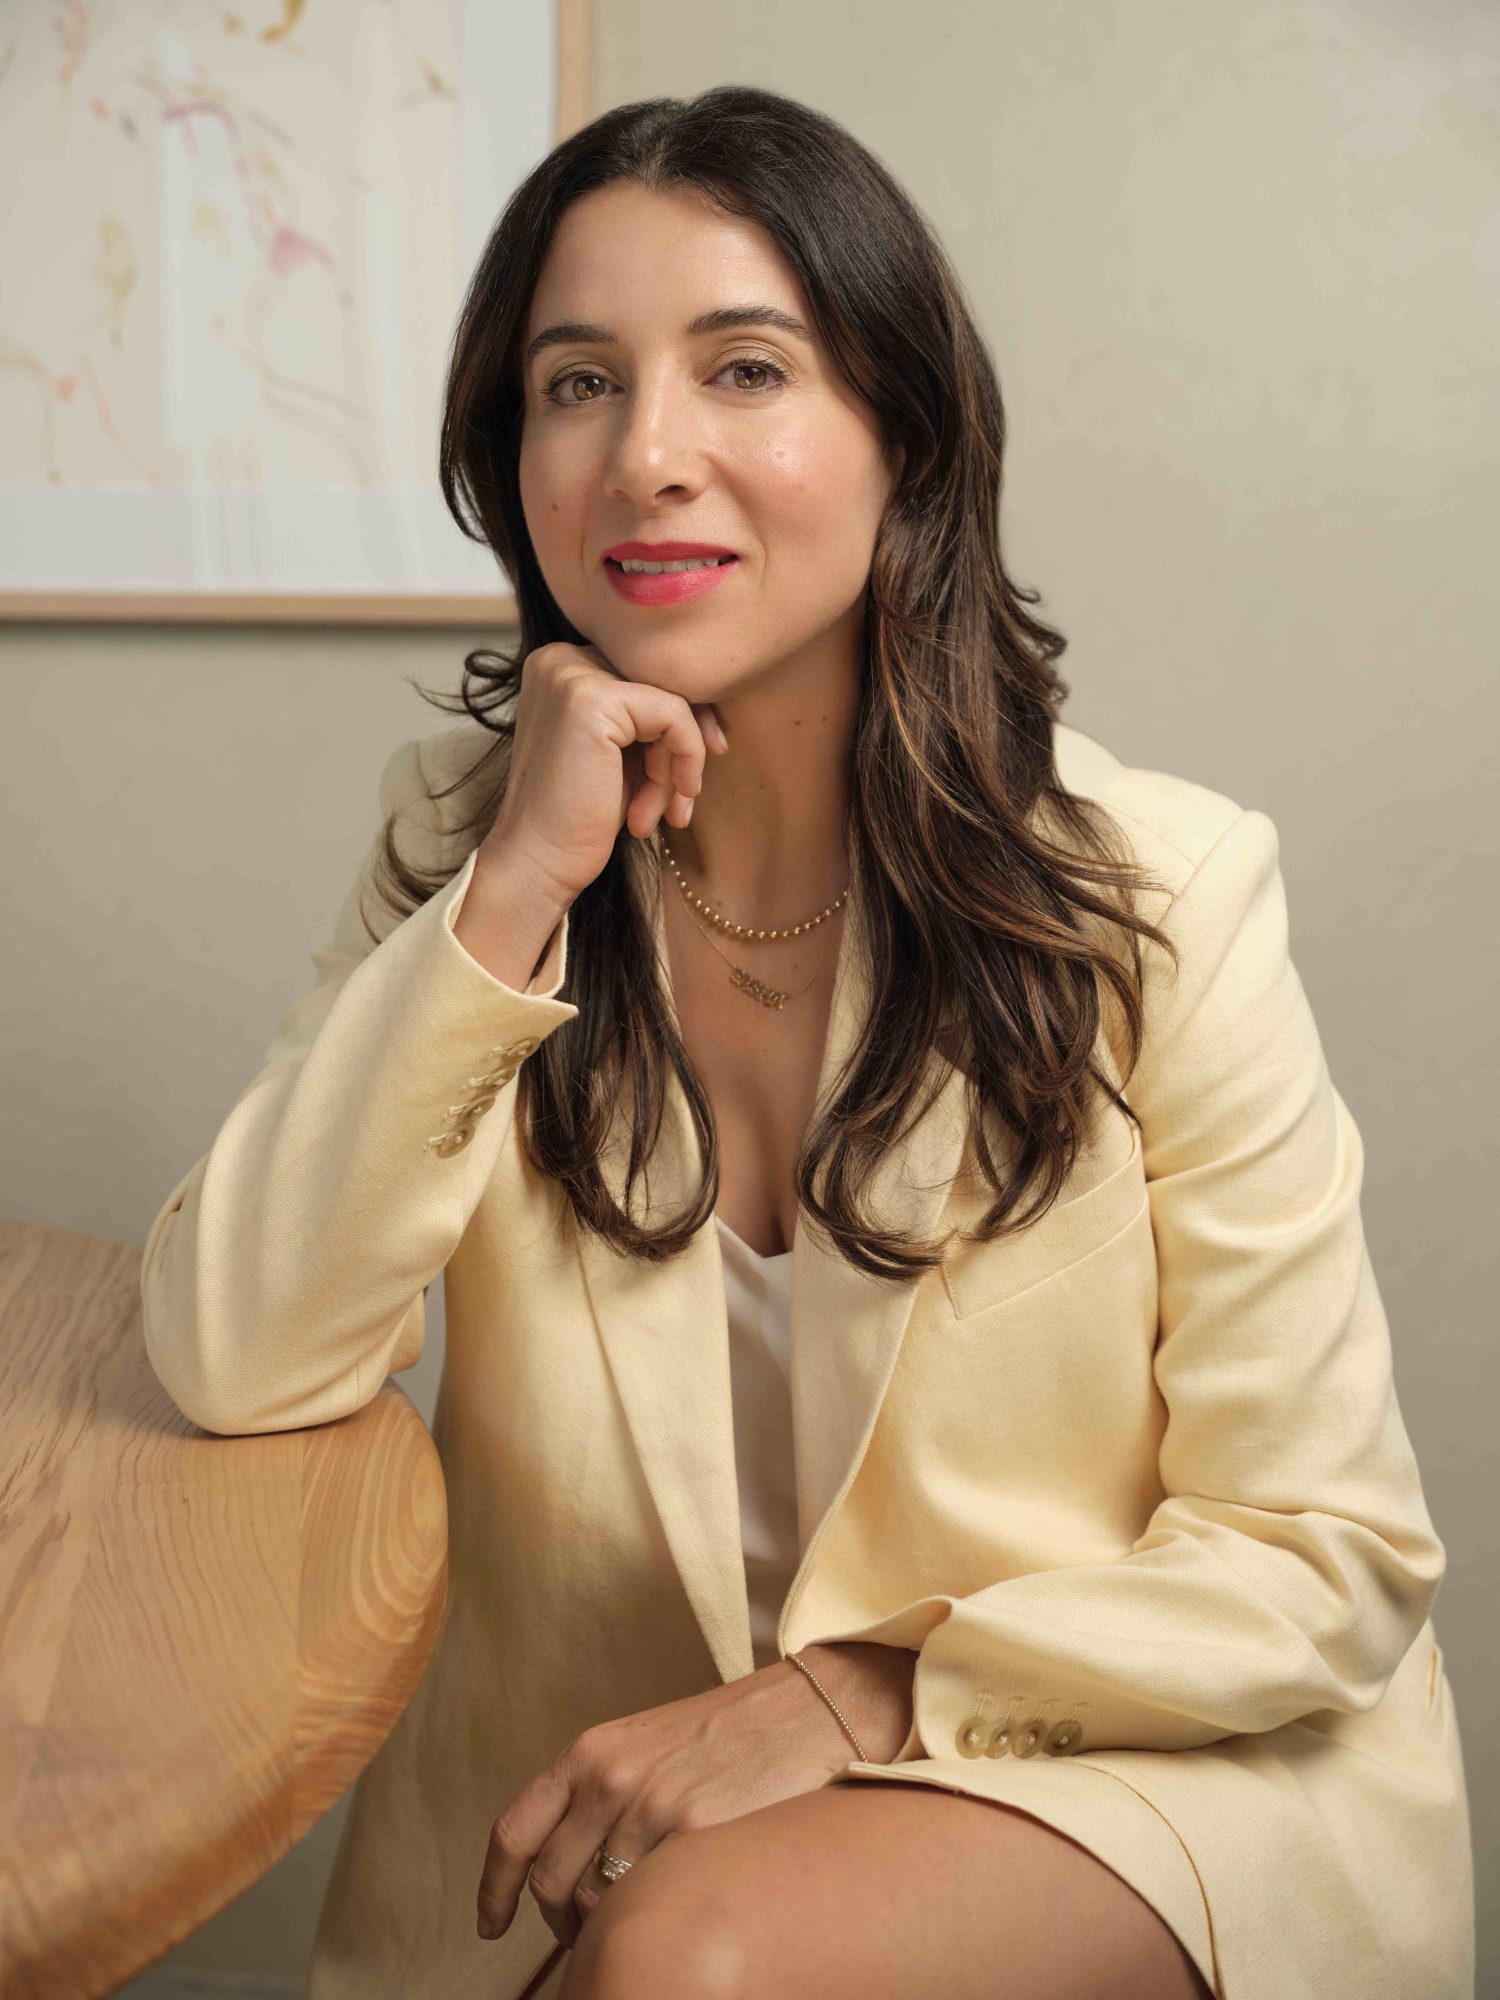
x=628, y=257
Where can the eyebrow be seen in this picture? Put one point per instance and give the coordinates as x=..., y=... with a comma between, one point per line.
x=718, y=321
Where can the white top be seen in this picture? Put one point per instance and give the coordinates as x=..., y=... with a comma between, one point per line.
x=758, y=1295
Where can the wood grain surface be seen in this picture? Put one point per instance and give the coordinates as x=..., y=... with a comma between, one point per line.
x=203, y=1640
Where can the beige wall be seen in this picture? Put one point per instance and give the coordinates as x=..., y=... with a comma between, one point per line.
x=1238, y=266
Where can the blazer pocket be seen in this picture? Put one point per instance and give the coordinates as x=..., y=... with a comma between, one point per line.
x=979, y=1276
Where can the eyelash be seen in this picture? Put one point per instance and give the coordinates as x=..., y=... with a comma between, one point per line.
x=591, y=374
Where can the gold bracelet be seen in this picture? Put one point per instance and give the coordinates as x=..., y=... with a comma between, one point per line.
x=831, y=1703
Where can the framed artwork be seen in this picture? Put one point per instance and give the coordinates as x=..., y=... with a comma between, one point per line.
x=235, y=250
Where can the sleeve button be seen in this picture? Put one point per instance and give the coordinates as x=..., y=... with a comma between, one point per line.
x=490, y=1079
x=1028, y=1738
x=445, y=1144
x=999, y=1743
x=1063, y=1737
x=971, y=1737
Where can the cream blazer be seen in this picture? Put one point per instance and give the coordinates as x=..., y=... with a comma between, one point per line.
x=1133, y=1484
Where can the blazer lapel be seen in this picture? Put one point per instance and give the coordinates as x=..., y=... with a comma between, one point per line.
x=665, y=1331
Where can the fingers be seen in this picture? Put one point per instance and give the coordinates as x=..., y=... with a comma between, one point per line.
x=653, y=802
x=516, y=1838
x=673, y=763
x=665, y=803
x=563, y=1878
x=546, y=1840
x=674, y=759
x=714, y=735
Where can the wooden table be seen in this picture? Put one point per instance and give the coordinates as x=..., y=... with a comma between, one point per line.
x=203, y=1640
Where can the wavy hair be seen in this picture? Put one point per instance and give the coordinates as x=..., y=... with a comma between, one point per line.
x=998, y=906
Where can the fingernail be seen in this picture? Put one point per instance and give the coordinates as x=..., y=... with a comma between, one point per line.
x=689, y=813
x=487, y=1929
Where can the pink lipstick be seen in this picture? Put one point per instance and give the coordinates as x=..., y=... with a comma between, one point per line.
x=674, y=586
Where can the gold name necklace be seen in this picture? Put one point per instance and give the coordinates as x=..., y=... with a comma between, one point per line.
x=756, y=989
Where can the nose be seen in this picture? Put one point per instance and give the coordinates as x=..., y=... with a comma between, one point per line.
x=655, y=444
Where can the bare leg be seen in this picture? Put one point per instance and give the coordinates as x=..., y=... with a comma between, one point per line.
x=877, y=1892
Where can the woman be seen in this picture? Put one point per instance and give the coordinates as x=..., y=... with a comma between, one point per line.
x=910, y=1298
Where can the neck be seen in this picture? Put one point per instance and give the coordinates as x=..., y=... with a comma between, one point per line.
x=765, y=846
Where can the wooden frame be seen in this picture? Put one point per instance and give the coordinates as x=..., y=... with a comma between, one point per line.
x=438, y=608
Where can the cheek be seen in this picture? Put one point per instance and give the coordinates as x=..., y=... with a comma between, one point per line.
x=819, y=536
x=548, y=501
x=816, y=497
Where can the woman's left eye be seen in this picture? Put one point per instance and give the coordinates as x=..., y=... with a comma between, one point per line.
x=758, y=363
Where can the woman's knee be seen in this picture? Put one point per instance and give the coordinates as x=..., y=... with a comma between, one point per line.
x=657, y=1932
x=635, y=1958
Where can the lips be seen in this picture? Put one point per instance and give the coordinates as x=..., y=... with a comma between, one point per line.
x=673, y=586
x=664, y=551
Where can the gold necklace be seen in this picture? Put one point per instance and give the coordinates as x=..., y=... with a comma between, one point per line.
x=756, y=989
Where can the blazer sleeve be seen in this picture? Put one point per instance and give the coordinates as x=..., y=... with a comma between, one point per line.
x=1293, y=1561
x=286, y=1274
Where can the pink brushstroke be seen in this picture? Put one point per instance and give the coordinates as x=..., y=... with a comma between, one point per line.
x=290, y=249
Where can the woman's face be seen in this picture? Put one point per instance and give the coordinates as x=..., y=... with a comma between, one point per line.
x=743, y=437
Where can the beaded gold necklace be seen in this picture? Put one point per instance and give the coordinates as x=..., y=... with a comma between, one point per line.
x=756, y=989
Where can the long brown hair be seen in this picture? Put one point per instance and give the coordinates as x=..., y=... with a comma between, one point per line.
x=993, y=942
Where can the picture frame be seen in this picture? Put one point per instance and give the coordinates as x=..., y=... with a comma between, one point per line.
x=250, y=238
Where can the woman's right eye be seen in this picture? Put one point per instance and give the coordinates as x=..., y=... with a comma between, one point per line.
x=572, y=375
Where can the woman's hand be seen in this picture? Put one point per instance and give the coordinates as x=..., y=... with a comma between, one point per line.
x=593, y=752
x=642, y=1778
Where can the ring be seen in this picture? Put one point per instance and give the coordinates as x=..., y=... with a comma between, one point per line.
x=610, y=1866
